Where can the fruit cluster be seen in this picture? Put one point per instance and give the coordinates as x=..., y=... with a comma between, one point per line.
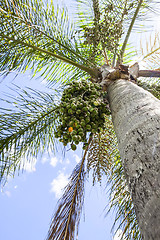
x=81, y=110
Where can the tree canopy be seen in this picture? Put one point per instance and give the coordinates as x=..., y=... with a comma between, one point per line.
x=38, y=36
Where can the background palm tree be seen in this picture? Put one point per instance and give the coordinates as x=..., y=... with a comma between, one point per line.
x=37, y=35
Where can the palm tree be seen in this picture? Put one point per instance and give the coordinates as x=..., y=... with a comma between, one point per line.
x=37, y=35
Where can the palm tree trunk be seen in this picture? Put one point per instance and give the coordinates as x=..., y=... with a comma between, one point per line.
x=136, y=119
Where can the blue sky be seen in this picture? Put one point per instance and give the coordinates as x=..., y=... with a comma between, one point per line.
x=28, y=201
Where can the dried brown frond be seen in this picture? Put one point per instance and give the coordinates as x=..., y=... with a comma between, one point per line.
x=67, y=215
x=65, y=222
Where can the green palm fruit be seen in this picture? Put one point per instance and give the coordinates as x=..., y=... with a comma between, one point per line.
x=96, y=103
x=91, y=109
x=75, y=138
x=73, y=133
x=70, y=111
x=85, y=109
x=81, y=134
x=85, y=146
x=73, y=147
x=66, y=119
x=62, y=109
x=79, y=137
x=65, y=136
x=80, y=105
x=59, y=134
x=94, y=126
x=73, y=106
x=87, y=119
x=83, y=123
x=88, y=127
x=76, y=142
x=78, y=112
x=80, y=129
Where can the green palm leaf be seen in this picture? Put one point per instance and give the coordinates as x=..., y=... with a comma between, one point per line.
x=34, y=34
x=26, y=130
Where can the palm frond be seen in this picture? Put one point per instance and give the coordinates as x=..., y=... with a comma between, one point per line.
x=60, y=72
x=104, y=160
x=26, y=130
x=67, y=216
x=138, y=6
x=99, y=155
x=150, y=52
x=33, y=34
x=102, y=25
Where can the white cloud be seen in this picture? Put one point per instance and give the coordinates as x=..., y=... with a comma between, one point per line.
x=29, y=166
x=58, y=184
x=53, y=161
x=44, y=160
x=77, y=158
x=67, y=161
x=118, y=235
x=7, y=193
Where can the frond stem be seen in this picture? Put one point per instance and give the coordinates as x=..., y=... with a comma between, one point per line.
x=129, y=32
x=92, y=72
x=45, y=34
x=121, y=21
x=149, y=54
x=70, y=213
x=149, y=73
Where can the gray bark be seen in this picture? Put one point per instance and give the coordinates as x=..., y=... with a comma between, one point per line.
x=136, y=119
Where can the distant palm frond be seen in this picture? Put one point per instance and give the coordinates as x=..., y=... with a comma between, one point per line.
x=153, y=88
x=26, y=130
x=139, y=9
x=100, y=153
x=121, y=202
x=34, y=34
x=66, y=219
x=150, y=51
x=69, y=207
